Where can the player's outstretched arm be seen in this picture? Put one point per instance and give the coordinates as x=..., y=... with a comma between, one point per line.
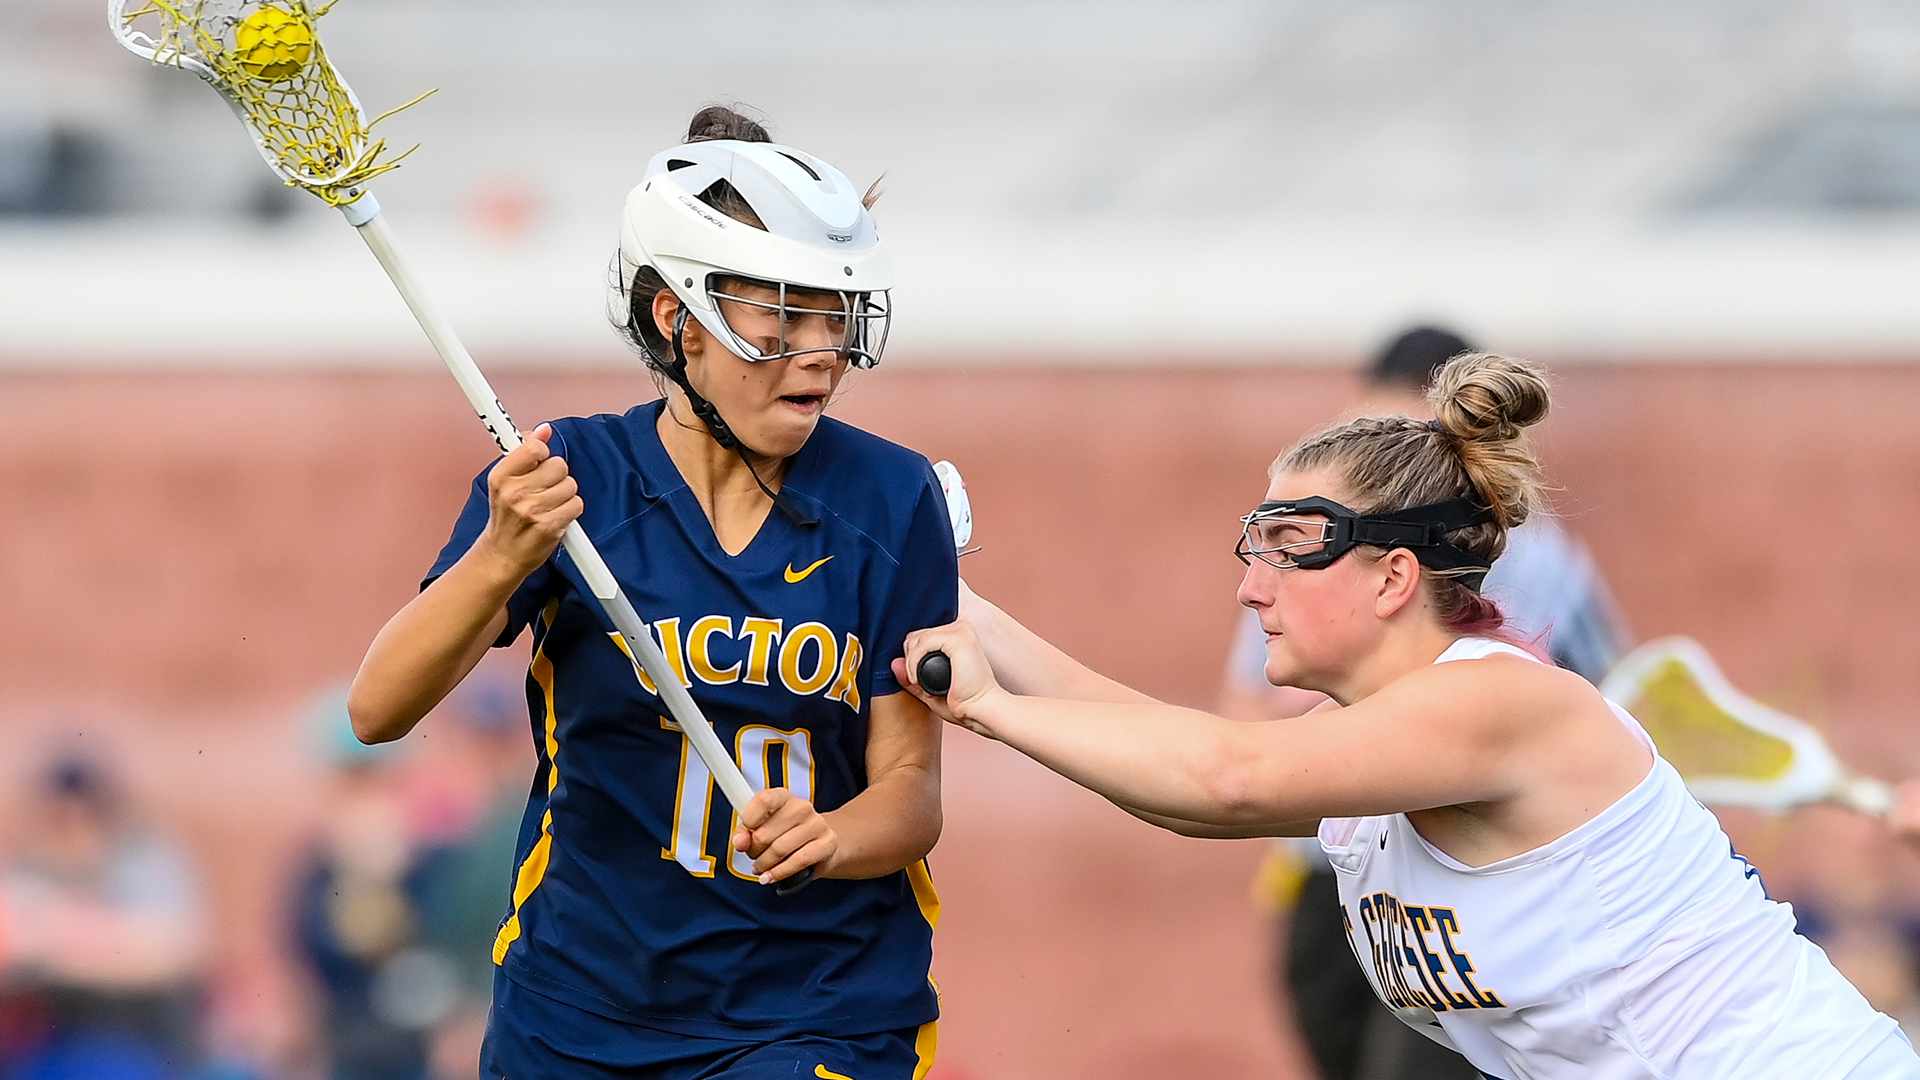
x=1471, y=732
x=887, y=827
x=1026, y=663
x=431, y=644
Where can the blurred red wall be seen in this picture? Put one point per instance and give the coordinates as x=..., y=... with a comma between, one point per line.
x=186, y=557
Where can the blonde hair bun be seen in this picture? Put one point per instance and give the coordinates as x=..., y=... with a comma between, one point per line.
x=1483, y=401
x=1473, y=450
x=1486, y=396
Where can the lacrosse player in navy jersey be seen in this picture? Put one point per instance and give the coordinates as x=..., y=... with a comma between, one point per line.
x=781, y=558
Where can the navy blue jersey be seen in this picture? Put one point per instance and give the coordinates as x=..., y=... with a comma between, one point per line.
x=628, y=899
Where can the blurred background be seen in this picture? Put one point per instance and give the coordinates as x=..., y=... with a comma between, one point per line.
x=1142, y=248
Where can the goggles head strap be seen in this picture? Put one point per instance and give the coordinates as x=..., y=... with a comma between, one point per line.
x=1420, y=529
x=1423, y=530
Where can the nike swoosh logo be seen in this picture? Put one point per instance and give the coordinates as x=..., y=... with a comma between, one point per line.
x=794, y=578
x=822, y=1071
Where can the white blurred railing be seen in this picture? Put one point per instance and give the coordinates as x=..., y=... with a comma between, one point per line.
x=1065, y=178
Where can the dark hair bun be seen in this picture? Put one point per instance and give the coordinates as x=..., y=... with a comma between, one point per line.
x=1482, y=397
x=720, y=122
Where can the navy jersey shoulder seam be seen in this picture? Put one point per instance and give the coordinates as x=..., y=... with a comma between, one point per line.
x=655, y=490
x=861, y=440
x=628, y=454
x=892, y=559
x=651, y=508
x=866, y=442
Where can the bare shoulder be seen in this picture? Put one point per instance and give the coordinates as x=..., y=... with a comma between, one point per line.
x=1517, y=728
x=1500, y=697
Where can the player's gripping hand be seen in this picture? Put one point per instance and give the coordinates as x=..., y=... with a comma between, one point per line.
x=784, y=835
x=530, y=502
x=973, y=681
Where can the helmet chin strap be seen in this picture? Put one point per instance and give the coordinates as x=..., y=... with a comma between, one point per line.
x=717, y=425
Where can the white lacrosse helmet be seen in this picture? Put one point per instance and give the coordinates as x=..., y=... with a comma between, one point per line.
x=818, y=236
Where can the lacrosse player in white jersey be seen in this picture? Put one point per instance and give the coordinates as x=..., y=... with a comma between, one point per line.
x=1522, y=877
x=1552, y=594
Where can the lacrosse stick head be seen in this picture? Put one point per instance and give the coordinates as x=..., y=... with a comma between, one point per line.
x=265, y=59
x=1731, y=749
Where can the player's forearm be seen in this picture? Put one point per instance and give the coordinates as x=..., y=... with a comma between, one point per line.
x=1208, y=831
x=1026, y=663
x=889, y=826
x=1154, y=760
x=430, y=645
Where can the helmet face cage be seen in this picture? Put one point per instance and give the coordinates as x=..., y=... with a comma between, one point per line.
x=859, y=320
x=806, y=250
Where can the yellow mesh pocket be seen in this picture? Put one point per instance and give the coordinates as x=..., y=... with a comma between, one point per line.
x=266, y=58
x=1699, y=736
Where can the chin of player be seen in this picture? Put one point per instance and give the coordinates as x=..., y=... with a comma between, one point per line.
x=785, y=426
x=1280, y=669
x=1284, y=669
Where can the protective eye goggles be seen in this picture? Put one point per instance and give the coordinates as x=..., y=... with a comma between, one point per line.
x=1312, y=533
x=758, y=329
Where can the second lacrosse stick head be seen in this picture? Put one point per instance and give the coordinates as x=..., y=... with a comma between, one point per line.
x=1731, y=749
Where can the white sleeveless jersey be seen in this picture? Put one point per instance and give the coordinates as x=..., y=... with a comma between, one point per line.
x=1639, y=945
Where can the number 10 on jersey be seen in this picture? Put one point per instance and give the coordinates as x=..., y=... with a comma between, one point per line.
x=755, y=749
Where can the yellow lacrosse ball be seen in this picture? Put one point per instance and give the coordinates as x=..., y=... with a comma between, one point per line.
x=273, y=44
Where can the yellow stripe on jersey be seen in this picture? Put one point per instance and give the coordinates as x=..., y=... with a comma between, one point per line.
x=535, y=866
x=825, y=1073
x=924, y=1046
x=921, y=878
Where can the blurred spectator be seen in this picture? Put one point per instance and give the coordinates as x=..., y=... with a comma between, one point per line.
x=479, y=766
x=1850, y=904
x=1552, y=594
x=102, y=939
x=408, y=883
x=358, y=917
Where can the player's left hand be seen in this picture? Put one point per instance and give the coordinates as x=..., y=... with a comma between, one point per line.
x=784, y=835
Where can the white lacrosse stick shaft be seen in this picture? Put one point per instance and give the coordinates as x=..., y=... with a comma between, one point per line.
x=365, y=215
